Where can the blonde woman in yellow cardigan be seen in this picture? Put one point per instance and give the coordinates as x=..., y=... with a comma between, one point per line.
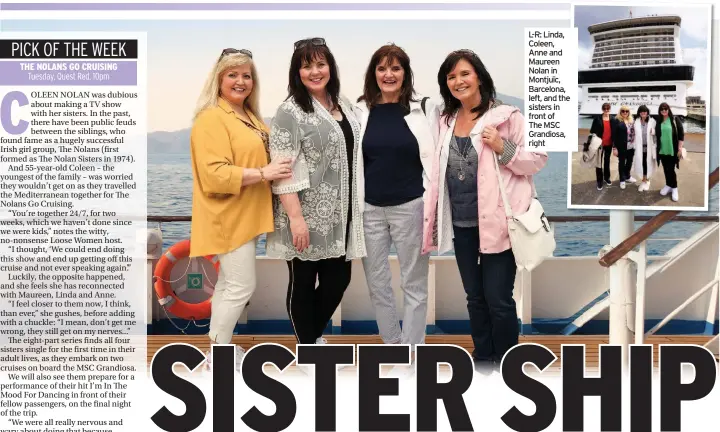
x=232, y=201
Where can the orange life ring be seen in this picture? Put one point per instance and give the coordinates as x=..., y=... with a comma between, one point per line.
x=166, y=295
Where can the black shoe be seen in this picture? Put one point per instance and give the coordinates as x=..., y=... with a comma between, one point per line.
x=608, y=182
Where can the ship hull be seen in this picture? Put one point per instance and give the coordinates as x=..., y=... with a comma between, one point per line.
x=633, y=95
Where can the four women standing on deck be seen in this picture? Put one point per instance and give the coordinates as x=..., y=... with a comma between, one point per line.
x=639, y=143
x=349, y=181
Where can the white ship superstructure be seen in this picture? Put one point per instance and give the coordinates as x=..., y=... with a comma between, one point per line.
x=636, y=61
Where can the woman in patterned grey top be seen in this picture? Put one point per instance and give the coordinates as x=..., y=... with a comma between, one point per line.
x=318, y=225
x=480, y=143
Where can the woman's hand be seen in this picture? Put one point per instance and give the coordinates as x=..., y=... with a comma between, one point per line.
x=277, y=169
x=300, y=233
x=491, y=137
x=680, y=147
x=615, y=152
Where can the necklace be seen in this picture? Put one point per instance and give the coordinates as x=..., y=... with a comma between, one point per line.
x=264, y=136
x=463, y=154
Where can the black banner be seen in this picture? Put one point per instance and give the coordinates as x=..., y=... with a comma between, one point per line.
x=68, y=49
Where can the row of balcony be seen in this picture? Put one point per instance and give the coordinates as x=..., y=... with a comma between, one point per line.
x=634, y=51
x=638, y=41
x=622, y=35
x=636, y=46
x=644, y=56
x=630, y=63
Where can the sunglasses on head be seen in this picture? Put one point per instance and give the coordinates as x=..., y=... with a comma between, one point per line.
x=464, y=51
x=228, y=51
x=311, y=41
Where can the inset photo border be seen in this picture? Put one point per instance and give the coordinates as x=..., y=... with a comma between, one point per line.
x=637, y=58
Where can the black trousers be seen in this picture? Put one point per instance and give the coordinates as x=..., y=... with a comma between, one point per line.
x=489, y=288
x=622, y=163
x=604, y=172
x=629, y=158
x=309, y=308
x=644, y=158
x=668, y=164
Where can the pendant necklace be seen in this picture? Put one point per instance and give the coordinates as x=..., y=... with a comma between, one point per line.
x=463, y=155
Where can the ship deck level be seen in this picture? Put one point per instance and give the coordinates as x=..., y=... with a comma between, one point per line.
x=592, y=343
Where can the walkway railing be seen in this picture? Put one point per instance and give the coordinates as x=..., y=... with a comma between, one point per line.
x=651, y=226
x=524, y=287
x=625, y=251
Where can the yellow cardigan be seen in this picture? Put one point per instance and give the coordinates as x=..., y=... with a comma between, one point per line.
x=225, y=214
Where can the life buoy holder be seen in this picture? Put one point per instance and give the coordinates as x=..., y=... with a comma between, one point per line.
x=167, y=297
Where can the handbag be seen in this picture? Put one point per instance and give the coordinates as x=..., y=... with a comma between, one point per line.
x=532, y=239
x=592, y=152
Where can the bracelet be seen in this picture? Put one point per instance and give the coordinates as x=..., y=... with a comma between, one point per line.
x=262, y=176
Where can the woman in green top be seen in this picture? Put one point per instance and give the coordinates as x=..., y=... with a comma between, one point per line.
x=670, y=136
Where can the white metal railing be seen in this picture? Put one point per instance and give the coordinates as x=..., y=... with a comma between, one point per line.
x=640, y=259
x=633, y=315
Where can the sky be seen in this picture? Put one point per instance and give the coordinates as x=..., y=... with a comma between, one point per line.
x=181, y=53
x=694, y=25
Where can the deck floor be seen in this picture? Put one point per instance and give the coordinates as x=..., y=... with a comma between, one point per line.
x=553, y=342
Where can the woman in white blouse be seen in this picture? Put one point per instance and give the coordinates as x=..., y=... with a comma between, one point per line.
x=645, y=146
x=318, y=224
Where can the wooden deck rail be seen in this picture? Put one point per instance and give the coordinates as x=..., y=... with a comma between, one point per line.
x=645, y=231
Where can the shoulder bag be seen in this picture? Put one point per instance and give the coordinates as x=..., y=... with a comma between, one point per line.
x=532, y=239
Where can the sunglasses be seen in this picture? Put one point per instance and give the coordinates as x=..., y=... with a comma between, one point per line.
x=664, y=109
x=228, y=51
x=624, y=111
x=464, y=51
x=606, y=109
x=312, y=41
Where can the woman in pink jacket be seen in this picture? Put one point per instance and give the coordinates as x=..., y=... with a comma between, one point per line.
x=465, y=209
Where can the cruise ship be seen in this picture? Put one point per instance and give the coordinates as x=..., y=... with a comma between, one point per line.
x=636, y=61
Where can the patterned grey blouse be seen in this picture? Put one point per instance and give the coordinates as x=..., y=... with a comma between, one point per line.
x=316, y=143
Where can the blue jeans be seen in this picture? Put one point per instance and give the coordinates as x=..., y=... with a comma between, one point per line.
x=489, y=287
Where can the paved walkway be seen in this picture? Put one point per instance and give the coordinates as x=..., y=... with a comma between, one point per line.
x=692, y=181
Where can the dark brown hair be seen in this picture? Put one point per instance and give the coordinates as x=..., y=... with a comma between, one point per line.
x=660, y=108
x=487, y=87
x=296, y=88
x=371, y=92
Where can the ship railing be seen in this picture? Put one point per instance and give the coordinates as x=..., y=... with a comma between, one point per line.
x=618, y=260
x=524, y=284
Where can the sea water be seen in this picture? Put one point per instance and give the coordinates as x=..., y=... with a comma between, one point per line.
x=174, y=198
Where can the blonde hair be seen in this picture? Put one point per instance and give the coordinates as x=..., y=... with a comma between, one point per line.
x=211, y=90
x=629, y=116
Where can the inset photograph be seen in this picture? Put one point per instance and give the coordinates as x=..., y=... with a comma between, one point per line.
x=643, y=86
